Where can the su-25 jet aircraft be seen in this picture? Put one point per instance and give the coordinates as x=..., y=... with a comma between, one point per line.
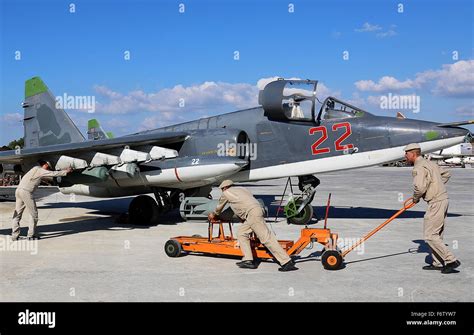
x=291, y=133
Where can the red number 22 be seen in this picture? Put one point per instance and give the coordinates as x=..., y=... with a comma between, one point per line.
x=314, y=147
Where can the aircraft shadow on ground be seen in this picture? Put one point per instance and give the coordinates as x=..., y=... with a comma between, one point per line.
x=87, y=222
x=347, y=212
x=73, y=227
x=115, y=207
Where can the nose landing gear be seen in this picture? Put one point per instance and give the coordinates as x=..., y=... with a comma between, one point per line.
x=298, y=210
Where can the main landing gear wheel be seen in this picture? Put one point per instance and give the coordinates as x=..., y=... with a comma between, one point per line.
x=173, y=248
x=331, y=259
x=304, y=217
x=143, y=211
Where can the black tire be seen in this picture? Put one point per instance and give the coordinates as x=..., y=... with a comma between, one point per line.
x=304, y=217
x=173, y=248
x=331, y=260
x=143, y=211
x=196, y=236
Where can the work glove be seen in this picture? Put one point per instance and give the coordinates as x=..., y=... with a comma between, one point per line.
x=211, y=216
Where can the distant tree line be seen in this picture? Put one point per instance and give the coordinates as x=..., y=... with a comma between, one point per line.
x=13, y=144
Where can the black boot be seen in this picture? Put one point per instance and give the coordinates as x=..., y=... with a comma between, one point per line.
x=289, y=266
x=432, y=267
x=454, y=264
x=450, y=267
x=247, y=265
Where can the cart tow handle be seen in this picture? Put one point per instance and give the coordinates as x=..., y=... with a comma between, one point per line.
x=406, y=205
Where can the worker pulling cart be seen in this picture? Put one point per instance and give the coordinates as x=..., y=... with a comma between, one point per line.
x=332, y=257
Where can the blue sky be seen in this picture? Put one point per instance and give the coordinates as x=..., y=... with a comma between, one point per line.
x=190, y=55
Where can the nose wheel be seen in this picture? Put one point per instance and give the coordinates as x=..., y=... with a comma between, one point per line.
x=304, y=217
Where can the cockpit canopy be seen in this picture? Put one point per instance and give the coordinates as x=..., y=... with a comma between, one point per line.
x=296, y=100
x=333, y=108
x=289, y=99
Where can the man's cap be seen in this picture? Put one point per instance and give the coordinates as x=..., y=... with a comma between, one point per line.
x=412, y=146
x=226, y=183
x=42, y=162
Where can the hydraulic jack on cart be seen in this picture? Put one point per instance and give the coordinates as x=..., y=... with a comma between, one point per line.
x=222, y=244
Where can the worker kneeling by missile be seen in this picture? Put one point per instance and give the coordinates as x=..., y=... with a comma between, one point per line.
x=248, y=209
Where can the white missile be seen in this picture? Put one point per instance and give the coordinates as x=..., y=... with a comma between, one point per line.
x=65, y=162
x=101, y=159
x=162, y=153
x=132, y=156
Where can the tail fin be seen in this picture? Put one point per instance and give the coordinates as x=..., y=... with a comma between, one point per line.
x=96, y=132
x=44, y=123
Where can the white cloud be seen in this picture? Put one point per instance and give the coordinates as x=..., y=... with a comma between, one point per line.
x=168, y=101
x=12, y=119
x=385, y=83
x=456, y=79
x=152, y=122
x=323, y=91
x=356, y=100
x=367, y=27
x=374, y=100
x=378, y=30
x=452, y=80
x=207, y=98
x=116, y=123
x=465, y=110
x=388, y=33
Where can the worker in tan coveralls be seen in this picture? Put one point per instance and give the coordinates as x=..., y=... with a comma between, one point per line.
x=428, y=183
x=248, y=209
x=24, y=196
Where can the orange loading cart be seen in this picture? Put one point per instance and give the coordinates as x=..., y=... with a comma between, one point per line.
x=222, y=244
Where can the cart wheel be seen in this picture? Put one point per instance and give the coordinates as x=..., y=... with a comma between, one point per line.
x=196, y=236
x=304, y=217
x=331, y=259
x=173, y=248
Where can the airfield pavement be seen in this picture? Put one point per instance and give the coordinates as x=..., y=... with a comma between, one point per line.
x=85, y=254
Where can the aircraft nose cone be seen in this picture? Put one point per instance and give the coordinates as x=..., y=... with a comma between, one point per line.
x=450, y=132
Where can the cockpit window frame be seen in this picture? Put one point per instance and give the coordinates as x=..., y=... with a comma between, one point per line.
x=359, y=112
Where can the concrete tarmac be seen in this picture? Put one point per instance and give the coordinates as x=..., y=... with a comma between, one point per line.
x=86, y=254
